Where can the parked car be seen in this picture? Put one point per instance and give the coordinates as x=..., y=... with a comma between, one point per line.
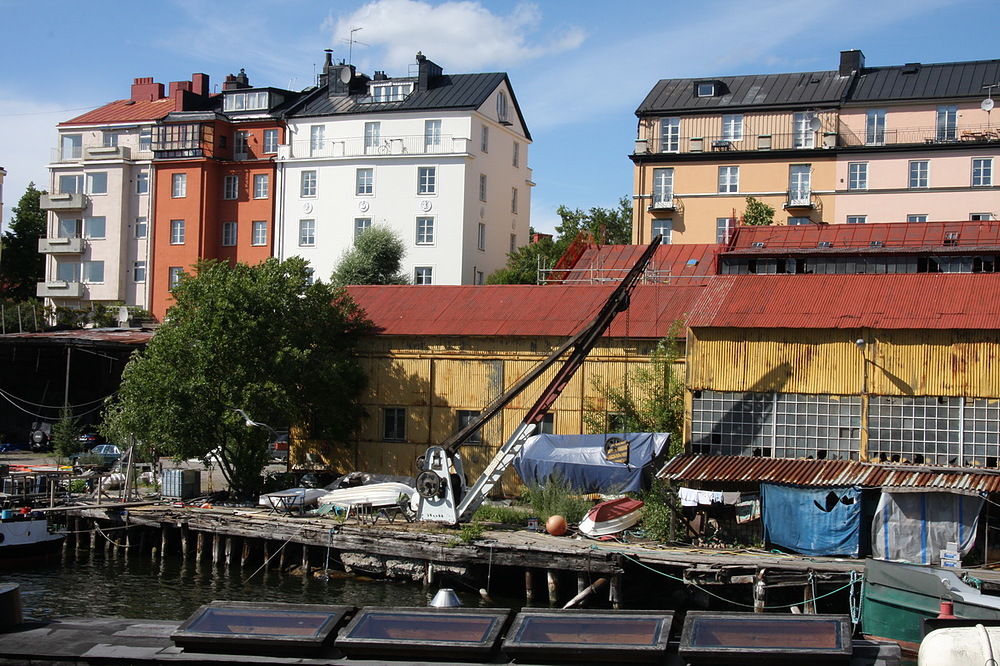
x=104, y=456
x=41, y=436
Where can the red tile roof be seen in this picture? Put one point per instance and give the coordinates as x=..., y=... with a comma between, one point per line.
x=886, y=237
x=124, y=111
x=599, y=263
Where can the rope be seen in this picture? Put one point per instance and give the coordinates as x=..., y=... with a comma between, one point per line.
x=275, y=554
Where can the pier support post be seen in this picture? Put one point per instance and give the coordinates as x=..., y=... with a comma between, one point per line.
x=93, y=536
x=529, y=590
x=305, y=560
x=615, y=592
x=759, y=592
x=184, y=540
x=163, y=540
x=229, y=551
x=553, y=581
x=581, y=582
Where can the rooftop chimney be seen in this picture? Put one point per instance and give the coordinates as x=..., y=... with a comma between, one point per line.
x=145, y=89
x=426, y=71
x=851, y=61
x=236, y=82
x=199, y=84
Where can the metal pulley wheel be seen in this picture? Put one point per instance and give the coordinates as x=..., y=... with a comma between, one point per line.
x=430, y=485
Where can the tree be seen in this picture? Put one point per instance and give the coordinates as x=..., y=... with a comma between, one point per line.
x=651, y=399
x=375, y=259
x=21, y=265
x=257, y=338
x=609, y=226
x=758, y=213
x=65, y=432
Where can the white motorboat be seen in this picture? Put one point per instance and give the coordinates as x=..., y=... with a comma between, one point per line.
x=389, y=493
x=26, y=538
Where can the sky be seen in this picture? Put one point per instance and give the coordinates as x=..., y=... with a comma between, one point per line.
x=579, y=68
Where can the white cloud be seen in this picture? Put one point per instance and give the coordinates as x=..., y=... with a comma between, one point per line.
x=460, y=36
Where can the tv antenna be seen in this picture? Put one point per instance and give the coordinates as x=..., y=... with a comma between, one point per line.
x=987, y=104
x=350, y=45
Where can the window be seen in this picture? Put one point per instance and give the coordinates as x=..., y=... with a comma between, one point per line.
x=513, y=242
x=142, y=182
x=857, y=219
x=916, y=218
x=432, y=135
x=704, y=89
x=93, y=271
x=796, y=221
x=423, y=275
x=365, y=179
x=270, y=141
x=481, y=237
x=141, y=227
x=724, y=229
x=670, y=135
x=70, y=228
x=390, y=92
x=982, y=172
x=97, y=183
x=547, y=425
x=804, y=135
x=800, y=184
x=426, y=180
x=515, y=158
x=425, y=230
x=146, y=139
x=317, y=137
x=68, y=271
x=482, y=187
x=484, y=143
x=479, y=278
x=875, y=127
x=111, y=139
x=246, y=101
x=981, y=217
x=259, y=235
x=179, y=185
x=71, y=184
x=394, y=424
x=465, y=417
x=308, y=184
x=139, y=271
x=857, y=176
x=663, y=228
x=71, y=146
x=513, y=200
x=373, y=136
x=241, y=144
x=729, y=179
x=732, y=127
x=176, y=232
x=307, y=233
x=361, y=224
x=261, y=186
x=94, y=227
x=229, y=233
x=174, y=277
x=502, y=107
x=919, y=174
x=230, y=187
x=947, y=123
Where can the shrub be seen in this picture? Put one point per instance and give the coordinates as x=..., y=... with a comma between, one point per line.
x=498, y=513
x=657, y=511
x=557, y=498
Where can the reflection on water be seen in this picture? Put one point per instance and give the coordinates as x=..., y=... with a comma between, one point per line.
x=85, y=585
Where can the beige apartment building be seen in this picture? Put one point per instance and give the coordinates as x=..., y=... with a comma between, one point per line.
x=907, y=143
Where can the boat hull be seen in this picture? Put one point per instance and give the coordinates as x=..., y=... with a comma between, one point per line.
x=611, y=517
x=27, y=541
x=374, y=494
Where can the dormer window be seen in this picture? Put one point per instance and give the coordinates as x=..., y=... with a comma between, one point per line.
x=246, y=101
x=390, y=92
x=706, y=89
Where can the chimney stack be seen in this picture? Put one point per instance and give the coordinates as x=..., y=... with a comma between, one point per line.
x=144, y=89
x=851, y=61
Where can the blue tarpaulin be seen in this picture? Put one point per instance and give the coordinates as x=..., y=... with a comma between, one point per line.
x=610, y=463
x=812, y=521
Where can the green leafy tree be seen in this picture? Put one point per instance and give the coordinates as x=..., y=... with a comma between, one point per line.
x=651, y=399
x=64, y=433
x=609, y=226
x=21, y=265
x=375, y=259
x=257, y=338
x=758, y=213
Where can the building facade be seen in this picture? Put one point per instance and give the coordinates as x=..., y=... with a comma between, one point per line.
x=908, y=143
x=440, y=159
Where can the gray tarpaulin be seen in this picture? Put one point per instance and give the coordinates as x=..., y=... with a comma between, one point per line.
x=917, y=526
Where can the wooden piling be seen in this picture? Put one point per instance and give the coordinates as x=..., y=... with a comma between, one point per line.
x=759, y=592
x=615, y=592
x=185, y=532
x=553, y=581
x=529, y=591
x=229, y=551
x=163, y=540
x=305, y=560
x=581, y=582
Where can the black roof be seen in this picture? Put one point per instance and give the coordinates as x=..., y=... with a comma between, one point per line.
x=915, y=81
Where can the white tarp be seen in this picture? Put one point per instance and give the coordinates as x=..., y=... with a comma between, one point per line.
x=917, y=526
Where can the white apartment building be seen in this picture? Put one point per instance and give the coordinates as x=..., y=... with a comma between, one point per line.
x=440, y=159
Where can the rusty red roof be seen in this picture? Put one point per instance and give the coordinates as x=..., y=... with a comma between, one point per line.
x=124, y=111
x=828, y=473
x=898, y=301
x=601, y=263
x=519, y=310
x=91, y=336
x=889, y=237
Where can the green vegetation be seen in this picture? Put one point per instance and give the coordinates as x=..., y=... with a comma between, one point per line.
x=22, y=266
x=64, y=433
x=758, y=213
x=557, y=498
x=657, y=510
x=259, y=338
x=375, y=259
x=507, y=515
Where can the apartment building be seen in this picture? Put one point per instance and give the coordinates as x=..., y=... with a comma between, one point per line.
x=907, y=143
x=442, y=159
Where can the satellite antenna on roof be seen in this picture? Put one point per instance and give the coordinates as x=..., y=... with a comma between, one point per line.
x=987, y=104
x=350, y=45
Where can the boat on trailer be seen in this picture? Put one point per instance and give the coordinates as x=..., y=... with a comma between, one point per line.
x=26, y=538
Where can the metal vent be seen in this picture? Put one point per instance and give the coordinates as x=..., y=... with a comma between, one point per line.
x=824, y=244
x=877, y=244
x=758, y=244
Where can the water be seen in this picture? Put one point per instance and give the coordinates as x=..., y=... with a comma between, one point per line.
x=91, y=585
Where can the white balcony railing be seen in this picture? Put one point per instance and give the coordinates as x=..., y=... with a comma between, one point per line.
x=384, y=146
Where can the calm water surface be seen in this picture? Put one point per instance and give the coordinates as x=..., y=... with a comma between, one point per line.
x=84, y=585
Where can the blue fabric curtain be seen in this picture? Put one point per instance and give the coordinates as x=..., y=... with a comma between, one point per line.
x=813, y=521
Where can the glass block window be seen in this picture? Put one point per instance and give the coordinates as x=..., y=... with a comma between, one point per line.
x=981, y=434
x=915, y=429
x=734, y=424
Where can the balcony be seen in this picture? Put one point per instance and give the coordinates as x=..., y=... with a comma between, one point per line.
x=662, y=202
x=107, y=152
x=382, y=147
x=60, y=245
x=799, y=198
x=58, y=201
x=59, y=289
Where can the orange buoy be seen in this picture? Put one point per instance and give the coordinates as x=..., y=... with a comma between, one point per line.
x=555, y=525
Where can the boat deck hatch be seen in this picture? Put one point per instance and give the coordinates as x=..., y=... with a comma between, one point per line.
x=595, y=635
x=759, y=638
x=259, y=628
x=453, y=633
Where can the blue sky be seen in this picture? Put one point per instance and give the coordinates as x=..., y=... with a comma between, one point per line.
x=579, y=67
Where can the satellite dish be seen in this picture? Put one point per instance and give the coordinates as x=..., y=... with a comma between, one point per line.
x=345, y=75
x=815, y=124
x=987, y=104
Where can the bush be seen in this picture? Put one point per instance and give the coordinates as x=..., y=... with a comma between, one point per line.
x=557, y=498
x=657, y=511
x=497, y=513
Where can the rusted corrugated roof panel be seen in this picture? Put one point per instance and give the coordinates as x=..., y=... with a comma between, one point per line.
x=519, y=310
x=889, y=238
x=95, y=336
x=669, y=262
x=124, y=111
x=827, y=473
x=901, y=301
